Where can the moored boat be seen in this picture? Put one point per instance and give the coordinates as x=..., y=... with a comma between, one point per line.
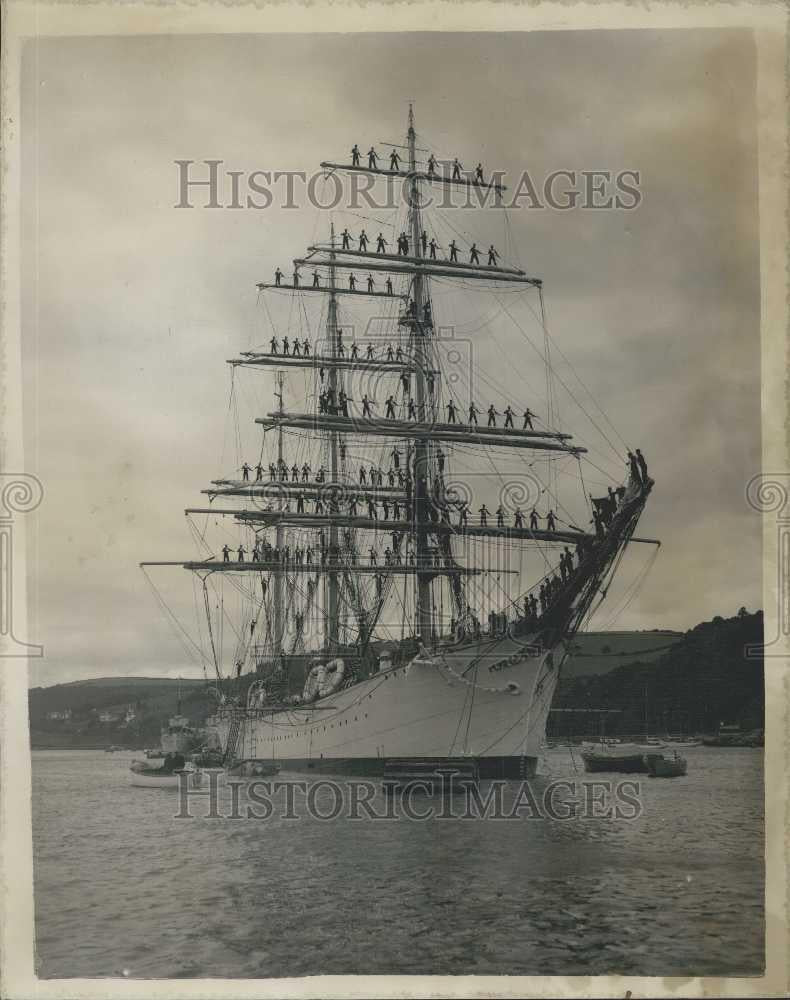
x=142, y=775
x=626, y=758
x=661, y=765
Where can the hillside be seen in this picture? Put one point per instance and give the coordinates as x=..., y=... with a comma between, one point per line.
x=684, y=682
x=702, y=681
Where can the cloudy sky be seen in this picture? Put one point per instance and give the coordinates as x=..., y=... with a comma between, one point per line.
x=131, y=306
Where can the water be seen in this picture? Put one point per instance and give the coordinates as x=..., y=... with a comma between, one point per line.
x=124, y=888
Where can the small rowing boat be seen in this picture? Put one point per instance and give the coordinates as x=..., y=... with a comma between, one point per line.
x=170, y=775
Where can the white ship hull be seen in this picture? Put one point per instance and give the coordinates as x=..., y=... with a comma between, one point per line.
x=487, y=700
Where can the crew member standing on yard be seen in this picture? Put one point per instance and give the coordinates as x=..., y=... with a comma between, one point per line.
x=474, y=254
x=451, y=411
x=431, y=165
x=241, y=553
x=226, y=553
x=453, y=252
x=370, y=283
x=492, y=415
x=390, y=408
x=424, y=241
x=456, y=170
x=551, y=524
x=500, y=517
x=493, y=256
x=286, y=347
x=508, y=416
x=245, y=472
x=433, y=245
x=479, y=173
x=484, y=516
x=381, y=244
x=528, y=415
x=315, y=280
x=346, y=239
x=372, y=159
x=518, y=518
x=273, y=343
x=366, y=412
x=352, y=282
x=533, y=520
x=473, y=411
x=258, y=472
x=394, y=161
x=363, y=241
x=389, y=286
x=278, y=276
x=355, y=155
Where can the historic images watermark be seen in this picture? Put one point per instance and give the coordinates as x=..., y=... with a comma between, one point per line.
x=213, y=184
x=438, y=797
x=20, y=493
x=769, y=493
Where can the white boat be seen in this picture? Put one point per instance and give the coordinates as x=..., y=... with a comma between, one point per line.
x=142, y=775
x=628, y=758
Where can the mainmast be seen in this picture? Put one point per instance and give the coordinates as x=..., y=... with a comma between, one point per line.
x=423, y=364
x=279, y=537
x=332, y=616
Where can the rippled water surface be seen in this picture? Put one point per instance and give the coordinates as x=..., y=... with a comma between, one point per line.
x=123, y=887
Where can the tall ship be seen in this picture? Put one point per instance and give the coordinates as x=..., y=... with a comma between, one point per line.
x=375, y=582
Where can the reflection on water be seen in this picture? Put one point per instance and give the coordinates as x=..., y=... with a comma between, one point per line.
x=122, y=887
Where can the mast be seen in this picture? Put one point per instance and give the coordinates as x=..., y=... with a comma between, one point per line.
x=278, y=578
x=332, y=620
x=423, y=363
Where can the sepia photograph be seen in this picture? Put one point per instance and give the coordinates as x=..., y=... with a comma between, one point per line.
x=389, y=495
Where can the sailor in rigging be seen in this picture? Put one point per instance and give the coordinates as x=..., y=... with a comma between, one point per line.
x=352, y=281
x=518, y=518
x=241, y=553
x=366, y=412
x=642, y=465
x=273, y=343
x=316, y=283
x=500, y=517
x=390, y=408
x=533, y=520
x=370, y=282
x=433, y=246
x=346, y=235
x=473, y=412
x=493, y=256
x=389, y=286
x=479, y=173
x=381, y=244
x=412, y=409
x=474, y=254
x=258, y=472
x=551, y=524
x=431, y=165
x=508, y=416
x=456, y=170
x=451, y=412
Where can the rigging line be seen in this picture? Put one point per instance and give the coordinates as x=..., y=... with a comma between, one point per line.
x=559, y=377
x=190, y=642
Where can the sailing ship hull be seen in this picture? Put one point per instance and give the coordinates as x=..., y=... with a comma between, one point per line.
x=486, y=700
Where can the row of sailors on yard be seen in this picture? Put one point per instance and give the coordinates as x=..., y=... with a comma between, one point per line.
x=339, y=406
x=293, y=349
x=429, y=247
x=431, y=165
x=374, y=475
